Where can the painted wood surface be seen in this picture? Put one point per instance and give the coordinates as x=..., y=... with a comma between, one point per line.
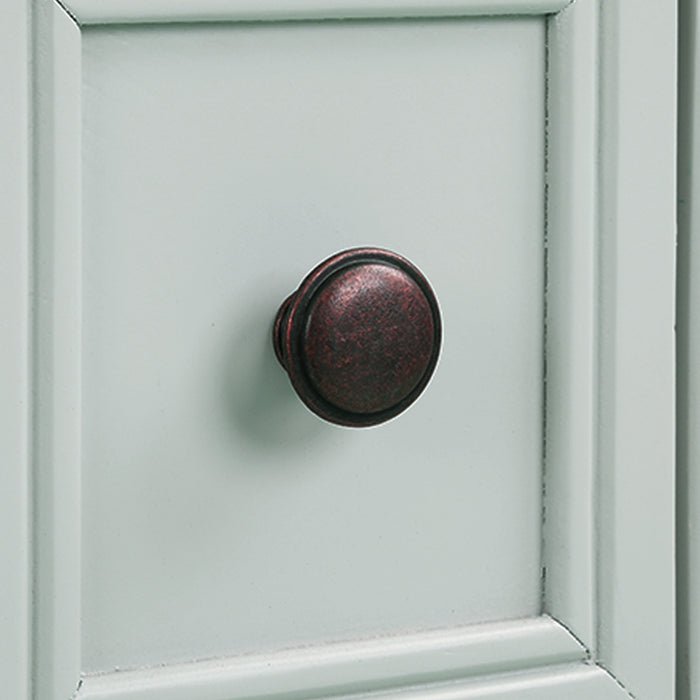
x=352, y=667
x=569, y=563
x=57, y=370
x=15, y=407
x=688, y=491
x=600, y=347
x=574, y=682
x=132, y=11
x=625, y=617
x=637, y=220
x=220, y=496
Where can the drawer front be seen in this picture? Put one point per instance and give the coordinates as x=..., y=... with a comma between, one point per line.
x=221, y=162
x=199, y=533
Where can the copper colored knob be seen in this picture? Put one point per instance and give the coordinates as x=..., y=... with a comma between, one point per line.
x=360, y=338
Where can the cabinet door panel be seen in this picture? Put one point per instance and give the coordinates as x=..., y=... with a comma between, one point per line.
x=220, y=163
x=197, y=532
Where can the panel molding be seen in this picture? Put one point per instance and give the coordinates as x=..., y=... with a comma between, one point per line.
x=15, y=457
x=579, y=682
x=574, y=682
x=610, y=336
x=56, y=374
x=609, y=483
x=569, y=546
x=635, y=498
x=139, y=11
x=688, y=489
x=351, y=667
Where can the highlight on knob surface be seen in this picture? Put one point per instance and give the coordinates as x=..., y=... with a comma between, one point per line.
x=361, y=336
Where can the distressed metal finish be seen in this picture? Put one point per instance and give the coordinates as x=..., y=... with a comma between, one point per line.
x=360, y=337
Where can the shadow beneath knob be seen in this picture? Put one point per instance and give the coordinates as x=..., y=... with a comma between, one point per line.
x=258, y=397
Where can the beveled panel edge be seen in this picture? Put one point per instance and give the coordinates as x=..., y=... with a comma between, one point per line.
x=351, y=667
x=688, y=353
x=574, y=682
x=15, y=350
x=578, y=681
x=144, y=11
x=620, y=649
x=571, y=182
x=56, y=359
x=611, y=219
x=635, y=496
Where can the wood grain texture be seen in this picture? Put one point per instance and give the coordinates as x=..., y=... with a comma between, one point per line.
x=350, y=667
x=118, y=11
x=57, y=370
x=688, y=488
x=15, y=409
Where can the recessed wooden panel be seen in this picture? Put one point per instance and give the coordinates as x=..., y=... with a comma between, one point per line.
x=222, y=162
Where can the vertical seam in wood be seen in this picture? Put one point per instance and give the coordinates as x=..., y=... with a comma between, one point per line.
x=33, y=352
x=29, y=389
x=543, y=544
x=687, y=43
x=598, y=335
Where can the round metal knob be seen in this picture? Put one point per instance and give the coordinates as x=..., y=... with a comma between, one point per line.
x=360, y=338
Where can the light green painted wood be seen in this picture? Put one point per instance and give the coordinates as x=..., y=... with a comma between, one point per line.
x=118, y=11
x=637, y=229
x=571, y=320
x=354, y=666
x=611, y=216
x=15, y=406
x=220, y=517
x=57, y=342
x=688, y=491
x=575, y=683
x=628, y=620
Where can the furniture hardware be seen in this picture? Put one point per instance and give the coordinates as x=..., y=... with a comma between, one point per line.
x=361, y=336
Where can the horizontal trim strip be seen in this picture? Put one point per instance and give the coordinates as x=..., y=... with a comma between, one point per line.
x=350, y=667
x=580, y=681
x=140, y=11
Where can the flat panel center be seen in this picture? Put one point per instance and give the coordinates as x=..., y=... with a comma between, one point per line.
x=221, y=163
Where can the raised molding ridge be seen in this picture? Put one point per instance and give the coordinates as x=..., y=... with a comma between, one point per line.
x=56, y=371
x=384, y=662
x=571, y=317
x=635, y=498
x=635, y=458
x=573, y=682
x=15, y=348
x=141, y=11
x=688, y=400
